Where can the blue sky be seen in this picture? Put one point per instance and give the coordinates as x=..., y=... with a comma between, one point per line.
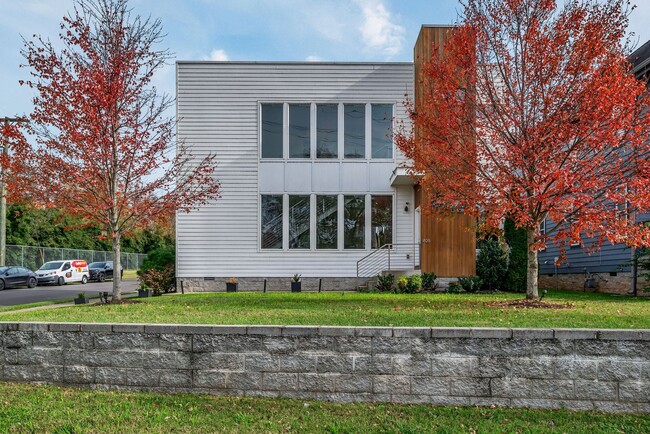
x=328, y=30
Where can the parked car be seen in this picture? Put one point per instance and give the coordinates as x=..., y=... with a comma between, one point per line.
x=101, y=271
x=60, y=272
x=11, y=277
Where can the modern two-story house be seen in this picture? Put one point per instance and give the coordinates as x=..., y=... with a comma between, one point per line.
x=312, y=183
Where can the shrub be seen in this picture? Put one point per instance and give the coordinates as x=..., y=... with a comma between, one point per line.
x=402, y=283
x=517, y=259
x=414, y=283
x=429, y=281
x=470, y=284
x=409, y=284
x=454, y=288
x=159, y=281
x=385, y=283
x=158, y=271
x=492, y=265
x=159, y=259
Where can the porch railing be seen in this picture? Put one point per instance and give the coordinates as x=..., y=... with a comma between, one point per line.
x=390, y=257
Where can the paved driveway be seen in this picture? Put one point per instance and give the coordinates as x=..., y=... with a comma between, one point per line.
x=11, y=297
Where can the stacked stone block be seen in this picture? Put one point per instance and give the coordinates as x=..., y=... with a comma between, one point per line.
x=607, y=370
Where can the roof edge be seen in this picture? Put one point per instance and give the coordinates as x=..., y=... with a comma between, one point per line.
x=287, y=62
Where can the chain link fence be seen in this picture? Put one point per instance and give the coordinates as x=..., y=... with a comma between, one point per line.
x=33, y=257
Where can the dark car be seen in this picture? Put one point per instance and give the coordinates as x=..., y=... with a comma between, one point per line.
x=101, y=271
x=11, y=277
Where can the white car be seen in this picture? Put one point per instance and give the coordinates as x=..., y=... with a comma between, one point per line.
x=60, y=272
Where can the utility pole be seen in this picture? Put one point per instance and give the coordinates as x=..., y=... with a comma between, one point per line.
x=3, y=197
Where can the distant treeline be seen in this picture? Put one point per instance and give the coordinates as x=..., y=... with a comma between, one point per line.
x=30, y=226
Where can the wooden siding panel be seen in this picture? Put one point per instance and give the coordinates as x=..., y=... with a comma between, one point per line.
x=451, y=247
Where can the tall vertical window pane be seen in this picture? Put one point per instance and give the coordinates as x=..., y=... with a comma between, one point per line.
x=299, y=143
x=354, y=121
x=354, y=222
x=382, y=120
x=271, y=130
x=299, y=222
x=326, y=222
x=327, y=121
x=271, y=221
x=382, y=220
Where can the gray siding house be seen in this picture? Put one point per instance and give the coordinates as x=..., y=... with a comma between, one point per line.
x=611, y=265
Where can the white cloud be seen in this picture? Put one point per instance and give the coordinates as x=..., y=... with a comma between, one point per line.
x=313, y=58
x=218, y=55
x=378, y=31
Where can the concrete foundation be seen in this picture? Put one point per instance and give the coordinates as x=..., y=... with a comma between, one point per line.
x=256, y=284
x=619, y=284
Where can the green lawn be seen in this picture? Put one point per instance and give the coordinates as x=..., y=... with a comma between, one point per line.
x=47, y=409
x=590, y=310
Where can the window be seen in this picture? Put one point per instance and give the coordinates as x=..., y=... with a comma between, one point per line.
x=271, y=221
x=542, y=232
x=327, y=222
x=272, y=131
x=299, y=127
x=299, y=208
x=354, y=121
x=354, y=222
x=382, y=220
x=327, y=130
x=382, y=122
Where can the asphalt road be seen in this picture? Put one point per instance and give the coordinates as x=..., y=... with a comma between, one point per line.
x=12, y=297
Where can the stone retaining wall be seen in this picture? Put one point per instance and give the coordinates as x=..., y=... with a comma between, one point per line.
x=606, y=370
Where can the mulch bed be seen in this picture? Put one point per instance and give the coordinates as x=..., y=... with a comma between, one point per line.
x=530, y=304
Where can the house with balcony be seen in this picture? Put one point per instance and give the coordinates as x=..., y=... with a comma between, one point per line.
x=311, y=181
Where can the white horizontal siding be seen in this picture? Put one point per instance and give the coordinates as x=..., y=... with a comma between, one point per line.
x=217, y=106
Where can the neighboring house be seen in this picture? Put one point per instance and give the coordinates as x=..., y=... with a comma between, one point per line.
x=611, y=265
x=311, y=180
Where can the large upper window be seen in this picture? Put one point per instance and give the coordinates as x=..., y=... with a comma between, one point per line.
x=381, y=211
x=299, y=128
x=271, y=231
x=354, y=222
x=299, y=208
x=354, y=121
x=327, y=130
x=327, y=222
x=272, y=131
x=382, y=120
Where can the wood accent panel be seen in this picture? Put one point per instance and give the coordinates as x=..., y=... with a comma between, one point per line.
x=448, y=245
x=422, y=52
x=448, y=242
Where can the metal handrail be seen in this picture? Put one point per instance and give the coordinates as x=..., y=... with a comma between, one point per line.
x=373, y=263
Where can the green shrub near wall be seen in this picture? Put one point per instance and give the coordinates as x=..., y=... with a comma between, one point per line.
x=491, y=265
x=516, y=275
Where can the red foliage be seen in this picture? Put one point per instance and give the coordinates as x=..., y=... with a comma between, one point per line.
x=105, y=148
x=533, y=113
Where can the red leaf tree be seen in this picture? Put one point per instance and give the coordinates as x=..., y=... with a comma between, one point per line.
x=531, y=111
x=105, y=147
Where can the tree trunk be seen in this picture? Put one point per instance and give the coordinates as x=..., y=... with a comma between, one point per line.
x=117, y=268
x=532, y=269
